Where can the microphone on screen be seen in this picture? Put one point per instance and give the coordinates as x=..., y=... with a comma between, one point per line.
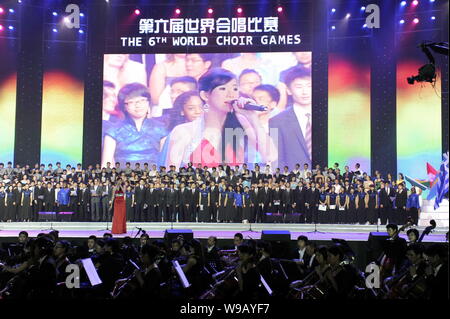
x=253, y=107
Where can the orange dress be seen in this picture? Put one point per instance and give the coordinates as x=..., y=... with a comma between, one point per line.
x=119, y=222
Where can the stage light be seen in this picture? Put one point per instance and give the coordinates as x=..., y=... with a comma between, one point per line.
x=137, y=12
x=239, y=10
x=177, y=11
x=82, y=14
x=54, y=13
x=80, y=31
x=54, y=30
x=433, y=18
x=11, y=10
x=364, y=25
x=416, y=20
x=19, y=1
x=333, y=10
x=1, y=10
x=431, y=1
x=66, y=20
x=403, y=3
x=11, y=27
x=415, y=3
x=401, y=21
x=333, y=27
x=1, y=27
x=348, y=15
x=210, y=11
x=363, y=8
x=280, y=9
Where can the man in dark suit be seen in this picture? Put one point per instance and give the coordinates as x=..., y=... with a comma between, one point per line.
x=214, y=200
x=106, y=201
x=96, y=205
x=211, y=253
x=287, y=202
x=276, y=204
x=194, y=195
x=254, y=199
x=38, y=200
x=74, y=200
x=299, y=199
x=139, y=201
x=264, y=200
x=312, y=203
x=150, y=200
x=387, y=194
x=49, y=198
x=185, y=200
x=256, y=175
x=171, y=199
x=85, y=202
x=437, y=274
x=294, y=124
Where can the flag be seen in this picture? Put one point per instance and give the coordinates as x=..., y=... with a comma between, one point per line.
x=420, y=183
x=442, y=181
x=432, y=174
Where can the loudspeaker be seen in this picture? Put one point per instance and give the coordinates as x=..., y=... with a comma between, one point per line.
x=280, y=241
x=375, y=244
x=172, y=234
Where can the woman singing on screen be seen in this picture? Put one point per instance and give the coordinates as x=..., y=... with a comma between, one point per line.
x=202, y=141
x=137, y=138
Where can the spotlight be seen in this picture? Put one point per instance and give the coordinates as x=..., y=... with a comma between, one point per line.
x=82, y=14
x=333, y=27
x=1, y=10
x=415, y=3
x=54, y=30
x=55, y=13
x=66, y=20
x=280, y=9
x=210, y=11
x=402, y=21
x=416, y=20
x=333, y=10
x=11, y=27
x=433, y=18
x=348, y=15
x=11, y=10
x=137, y=12
x=80, y=31
x=19, y=1
x=431, y=1
x=239, y=10
x=177, y=11
x=1, y=27
x=403, y=3
x=363, y=8
x=364, y=25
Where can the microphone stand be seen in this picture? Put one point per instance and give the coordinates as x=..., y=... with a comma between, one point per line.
x=315, y=231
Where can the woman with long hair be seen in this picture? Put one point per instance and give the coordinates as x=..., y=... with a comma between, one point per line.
x=203, y=141
x=119, y=222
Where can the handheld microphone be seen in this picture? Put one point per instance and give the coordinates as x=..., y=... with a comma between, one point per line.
x=253, y=107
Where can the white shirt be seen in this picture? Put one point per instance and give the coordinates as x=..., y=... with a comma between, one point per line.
x=300, y=112
x=311, y=260
x=436, y=270
x=301, y=253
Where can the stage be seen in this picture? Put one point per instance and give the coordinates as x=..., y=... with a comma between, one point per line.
x=324, y=232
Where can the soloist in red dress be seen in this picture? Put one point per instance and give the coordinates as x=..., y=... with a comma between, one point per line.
x=119, y=222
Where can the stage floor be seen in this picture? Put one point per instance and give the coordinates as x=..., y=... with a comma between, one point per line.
x=204, y=230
